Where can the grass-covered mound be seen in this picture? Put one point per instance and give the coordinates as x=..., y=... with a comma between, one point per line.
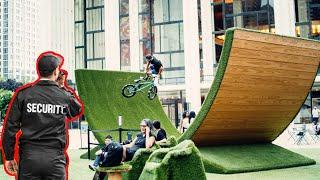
x=100, y=91
x=246, y=158
x=180, y=162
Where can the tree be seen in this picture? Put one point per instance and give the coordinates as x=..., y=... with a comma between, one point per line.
x=10, y=85
x=5, y=97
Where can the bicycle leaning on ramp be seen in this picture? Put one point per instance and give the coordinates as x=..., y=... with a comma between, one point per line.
x=140, y=85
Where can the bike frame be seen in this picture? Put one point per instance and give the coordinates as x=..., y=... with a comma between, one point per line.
x=144, y=85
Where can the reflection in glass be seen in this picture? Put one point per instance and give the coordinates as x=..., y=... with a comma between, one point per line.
x=161, y=11
x=177, y=60
x=99, y=48
x=144, y=23
x=164, y=58
x=79, y=54
x=78, y=10
x=143, y=6
x=156, y=33
x=97, y=64
x=175, y=13
x=79, y=30
x=124, y=28
x=89, y=46
x=94, y=19
x=170, y=37
x=125, y=54
x=124, y=7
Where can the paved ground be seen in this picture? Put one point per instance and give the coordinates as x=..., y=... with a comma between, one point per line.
x=79, y=167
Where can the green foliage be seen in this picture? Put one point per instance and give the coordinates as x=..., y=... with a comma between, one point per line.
x=5, y=97
x=10, y=85
x=246, y=158
x=177, y=163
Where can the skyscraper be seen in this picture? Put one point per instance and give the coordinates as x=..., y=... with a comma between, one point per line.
x=19, y=41
x=57, y=30
x=29, y=27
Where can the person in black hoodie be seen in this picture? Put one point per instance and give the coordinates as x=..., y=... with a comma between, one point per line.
x=161, y=135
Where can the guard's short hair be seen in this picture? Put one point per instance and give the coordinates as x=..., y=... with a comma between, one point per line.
x=47, y=64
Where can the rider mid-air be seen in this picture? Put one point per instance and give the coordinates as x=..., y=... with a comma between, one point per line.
x=154, y=68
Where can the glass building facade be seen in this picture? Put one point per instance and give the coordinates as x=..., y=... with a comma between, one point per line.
x=89, y=34
x=161, y=32
x=249, y=14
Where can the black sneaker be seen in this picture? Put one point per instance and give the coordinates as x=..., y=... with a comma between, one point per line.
x=93, y=168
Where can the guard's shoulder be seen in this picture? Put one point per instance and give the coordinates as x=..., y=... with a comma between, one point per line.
x=24, y=87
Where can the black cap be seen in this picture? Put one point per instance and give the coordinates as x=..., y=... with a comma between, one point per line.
x=47, y=64
x=149, y=57
x=108, y=137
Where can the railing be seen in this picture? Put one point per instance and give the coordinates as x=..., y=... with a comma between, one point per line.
x=119, y=129
x=172, y=81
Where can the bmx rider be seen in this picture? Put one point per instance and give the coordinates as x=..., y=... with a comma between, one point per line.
x=154, y=68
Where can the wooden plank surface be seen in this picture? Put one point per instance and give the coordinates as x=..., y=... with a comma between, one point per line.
x=282, y=40
x=263, y=47
x=265, y=83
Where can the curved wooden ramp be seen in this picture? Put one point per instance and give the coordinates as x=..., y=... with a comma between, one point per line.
x=262, y=82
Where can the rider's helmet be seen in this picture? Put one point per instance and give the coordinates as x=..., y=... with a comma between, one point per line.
x=149, y=57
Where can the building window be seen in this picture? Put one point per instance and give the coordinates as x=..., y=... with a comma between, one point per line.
x=167, y=38
x=145, y=34
x=250, y=14
x=308, y=18
x=124, y=35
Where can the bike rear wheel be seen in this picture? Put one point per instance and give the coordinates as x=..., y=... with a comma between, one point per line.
x=152, y=93
x=129, y=91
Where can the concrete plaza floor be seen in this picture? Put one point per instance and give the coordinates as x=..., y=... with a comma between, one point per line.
x=79, y=170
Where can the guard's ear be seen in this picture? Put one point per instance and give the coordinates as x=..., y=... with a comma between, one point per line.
x=56, y=72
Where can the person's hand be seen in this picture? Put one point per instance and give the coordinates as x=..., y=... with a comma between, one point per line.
x=11, y=166
x=147, y=130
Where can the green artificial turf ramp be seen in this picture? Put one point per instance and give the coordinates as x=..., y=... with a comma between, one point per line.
x=100, y=91
x=246, y=158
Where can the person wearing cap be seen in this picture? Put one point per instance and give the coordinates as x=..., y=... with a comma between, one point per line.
x=101, y=154
x=39, y=111
x=109, y=155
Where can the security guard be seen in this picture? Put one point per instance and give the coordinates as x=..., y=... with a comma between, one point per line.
x=39, y=111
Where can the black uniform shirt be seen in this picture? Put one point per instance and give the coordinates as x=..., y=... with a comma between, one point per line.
x=156, y=64
x=39, y=111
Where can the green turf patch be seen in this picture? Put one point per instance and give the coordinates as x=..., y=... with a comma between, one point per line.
x=246, y=158
x=101, y=93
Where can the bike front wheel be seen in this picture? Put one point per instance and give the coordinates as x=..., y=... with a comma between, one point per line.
x=129, y=91
x=152, y=93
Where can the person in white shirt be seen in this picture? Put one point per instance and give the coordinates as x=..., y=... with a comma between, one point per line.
x=315, y=114
x=184, y=123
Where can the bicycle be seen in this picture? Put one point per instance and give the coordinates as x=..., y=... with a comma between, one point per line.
x=130, y=90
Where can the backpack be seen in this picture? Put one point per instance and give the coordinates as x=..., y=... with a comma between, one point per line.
x=114, y=155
